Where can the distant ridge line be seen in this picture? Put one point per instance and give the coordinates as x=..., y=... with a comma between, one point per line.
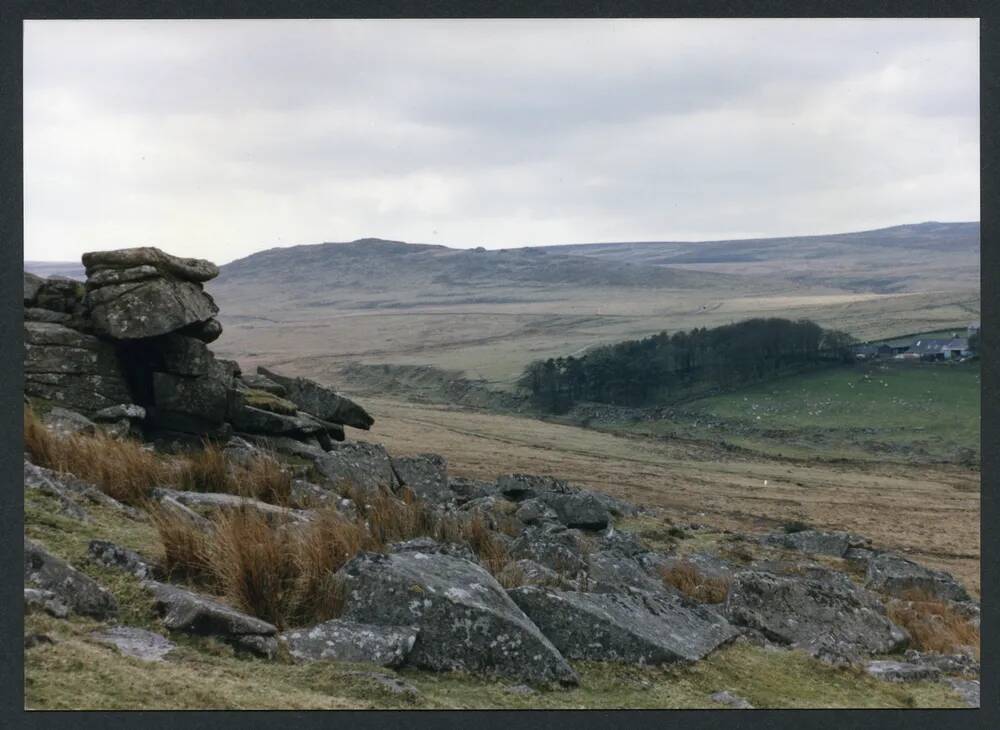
x=756, y=239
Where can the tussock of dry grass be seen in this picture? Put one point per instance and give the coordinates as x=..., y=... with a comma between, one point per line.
x=390, y=520
x=253, y=564
x=208, y=470
x=512, y=576
x=123, y=469
x=267, y=480
x=685, y=577
x=204, y=471
x=285, y=573
x=39, y=442
x=184, y=544
x=127, y=471
x=933, y=624
x=490, y=549
x=320, y=551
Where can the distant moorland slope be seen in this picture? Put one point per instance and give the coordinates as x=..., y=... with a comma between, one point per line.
x=486, y=314
x=394, y=267
x=916, y=257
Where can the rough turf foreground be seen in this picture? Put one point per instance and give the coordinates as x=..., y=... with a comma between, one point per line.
x=68, y=667
x=79, y=673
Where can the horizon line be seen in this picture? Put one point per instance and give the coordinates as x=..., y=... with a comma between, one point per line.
x=571, y=243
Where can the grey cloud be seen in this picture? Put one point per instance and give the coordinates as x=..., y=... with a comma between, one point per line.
x=221, y=138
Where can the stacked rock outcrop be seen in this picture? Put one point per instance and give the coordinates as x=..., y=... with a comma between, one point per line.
x=138, y=293
x=136, y=334
x=72, y=368
x=154, y=307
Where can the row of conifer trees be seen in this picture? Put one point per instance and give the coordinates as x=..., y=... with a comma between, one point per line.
x=666, y=367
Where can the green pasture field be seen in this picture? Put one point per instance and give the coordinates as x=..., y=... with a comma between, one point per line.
x=884, y=410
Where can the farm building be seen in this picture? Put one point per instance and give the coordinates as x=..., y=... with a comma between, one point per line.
x=921, y=348
x=957, y=347
x=940, y=349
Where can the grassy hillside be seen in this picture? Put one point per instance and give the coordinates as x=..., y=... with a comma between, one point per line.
x=77, y=672
x=889, y=411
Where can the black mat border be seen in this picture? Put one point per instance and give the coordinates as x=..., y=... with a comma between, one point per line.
x=11, y=384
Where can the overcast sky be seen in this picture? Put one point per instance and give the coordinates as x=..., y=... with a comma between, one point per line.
x=220, y=138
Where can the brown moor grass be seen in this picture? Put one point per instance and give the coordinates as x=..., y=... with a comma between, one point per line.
x=483, y=541
x=123, y=469
x=253, y=564
x=262, y=477
x=126, y=470
x=184, y=544
x=389, y=519
x=204, y=471
x=286, y=573
x=685, y=577
x=280, y=573
x=320, y=550
x=933, y=624
x=267, y=480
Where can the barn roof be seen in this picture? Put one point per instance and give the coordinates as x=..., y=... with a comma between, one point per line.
x=928, y=345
